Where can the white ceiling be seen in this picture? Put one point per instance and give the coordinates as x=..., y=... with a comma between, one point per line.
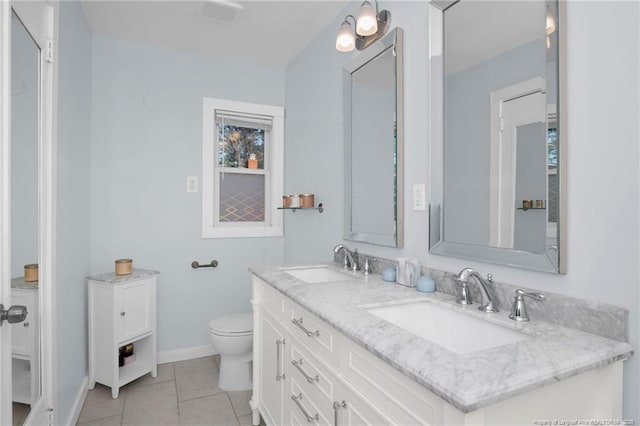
x=268, y=32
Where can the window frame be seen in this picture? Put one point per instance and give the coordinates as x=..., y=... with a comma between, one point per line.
x=273, y=225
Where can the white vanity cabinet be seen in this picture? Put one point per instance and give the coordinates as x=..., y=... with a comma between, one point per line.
x=325, y=378
x=25, y=343
x=122, y=310
x=295, y=376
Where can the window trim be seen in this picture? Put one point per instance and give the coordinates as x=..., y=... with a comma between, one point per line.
x=276, y=167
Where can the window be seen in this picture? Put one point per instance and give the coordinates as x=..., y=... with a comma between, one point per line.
x=242, y=168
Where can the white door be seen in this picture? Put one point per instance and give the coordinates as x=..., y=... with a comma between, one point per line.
x=30, y=22
x=514, y=106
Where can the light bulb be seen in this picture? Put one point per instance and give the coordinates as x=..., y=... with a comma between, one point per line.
x=551, y=22
x=346, y=40
x=367, y=22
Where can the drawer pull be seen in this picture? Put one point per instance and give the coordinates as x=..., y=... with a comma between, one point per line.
x=336, y=407
x=308, y=332
x=309, y=417
x=279, y=375
x=298, y=365
x=25, y=324
x=122, y=314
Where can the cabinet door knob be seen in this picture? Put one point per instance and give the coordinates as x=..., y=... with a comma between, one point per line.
x=122, y=314
x=25, y=324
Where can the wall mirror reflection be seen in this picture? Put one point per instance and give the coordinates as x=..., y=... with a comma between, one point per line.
x=373, y=144
x=497, y=163
x=25, y=105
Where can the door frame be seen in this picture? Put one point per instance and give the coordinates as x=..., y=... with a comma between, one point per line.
x=40, y=18
x=501, y=207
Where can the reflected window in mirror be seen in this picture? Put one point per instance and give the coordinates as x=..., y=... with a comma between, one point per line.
x=497, y=143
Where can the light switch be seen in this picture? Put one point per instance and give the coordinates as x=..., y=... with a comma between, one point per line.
x=192, y=183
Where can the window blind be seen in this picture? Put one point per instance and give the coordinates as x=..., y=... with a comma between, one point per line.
x=233, y=118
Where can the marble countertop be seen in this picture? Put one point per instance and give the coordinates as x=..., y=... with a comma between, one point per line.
x=20, y=283
x=112, y=278
x=466, y=381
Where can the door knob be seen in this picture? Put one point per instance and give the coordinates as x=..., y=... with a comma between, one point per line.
x=15, y=313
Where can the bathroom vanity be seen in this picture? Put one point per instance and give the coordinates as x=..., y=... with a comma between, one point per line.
x=122, y=311
x=330, y=347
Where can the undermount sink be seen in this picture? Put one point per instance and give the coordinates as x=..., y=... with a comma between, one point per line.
x=319, y=274
x=445, y=327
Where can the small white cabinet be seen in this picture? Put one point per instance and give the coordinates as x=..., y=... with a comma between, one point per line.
x=122, y=311
x=25, y=343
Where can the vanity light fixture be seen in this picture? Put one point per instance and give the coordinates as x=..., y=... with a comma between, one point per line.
x=371, y=24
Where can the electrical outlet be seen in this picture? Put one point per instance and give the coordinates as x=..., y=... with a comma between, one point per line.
x=192, y=184
x=419, y=197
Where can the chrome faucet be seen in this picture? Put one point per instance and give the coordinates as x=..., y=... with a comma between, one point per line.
x=519, y=310
x=349, y=260
x=465, y=297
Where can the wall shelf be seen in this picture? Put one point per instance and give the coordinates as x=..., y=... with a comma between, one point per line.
x=530, y=208
x=319, y=208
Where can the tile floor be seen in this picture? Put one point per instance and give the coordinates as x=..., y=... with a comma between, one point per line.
x=184, y=393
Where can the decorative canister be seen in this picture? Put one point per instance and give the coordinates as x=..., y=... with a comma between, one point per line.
x=286, y=201
x=295, y=201
x=527, y=204
x=124, y=266
x=253, y=162
x=31, y=272
x=306, y=200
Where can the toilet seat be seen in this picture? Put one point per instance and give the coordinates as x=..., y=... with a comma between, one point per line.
x=235, y=325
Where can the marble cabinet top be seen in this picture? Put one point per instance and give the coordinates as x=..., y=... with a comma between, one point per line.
x=467, y=381
x=21, y=284
x=112, y=278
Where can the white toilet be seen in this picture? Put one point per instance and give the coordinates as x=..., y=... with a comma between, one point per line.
x=232, y=337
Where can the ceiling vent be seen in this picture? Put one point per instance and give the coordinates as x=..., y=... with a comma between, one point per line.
x=223, y=11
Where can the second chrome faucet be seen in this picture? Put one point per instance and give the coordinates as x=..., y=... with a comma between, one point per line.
x=464, y=296
x=350, y=257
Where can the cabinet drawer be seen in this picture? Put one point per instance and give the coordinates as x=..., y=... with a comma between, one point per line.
x=403, y=401
x=302, y=403
x=314, y=333
x=313, y=376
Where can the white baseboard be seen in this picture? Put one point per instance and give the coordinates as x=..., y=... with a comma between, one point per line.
x=185, y=353
x=78, y=403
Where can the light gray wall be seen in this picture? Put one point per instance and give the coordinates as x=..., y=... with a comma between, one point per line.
x=468, y=137
x=603, y=207
x=314, y=131
x=146, y=138
x=24, y=148
x=73, y=244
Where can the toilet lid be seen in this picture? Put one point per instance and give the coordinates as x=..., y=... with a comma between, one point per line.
x=232, y=324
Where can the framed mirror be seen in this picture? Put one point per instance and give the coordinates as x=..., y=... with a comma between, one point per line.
x=26, y=208
x=373, y=198
x=497, y=142
x=25, y=101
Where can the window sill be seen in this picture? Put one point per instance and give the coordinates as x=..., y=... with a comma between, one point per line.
x=232, y=232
